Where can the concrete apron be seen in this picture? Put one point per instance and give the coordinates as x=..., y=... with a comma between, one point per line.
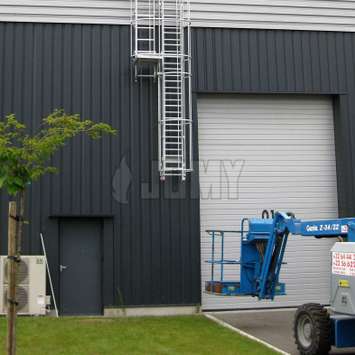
x=274, y=328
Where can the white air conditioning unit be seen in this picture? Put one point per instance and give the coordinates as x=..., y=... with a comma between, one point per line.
x=31, y=289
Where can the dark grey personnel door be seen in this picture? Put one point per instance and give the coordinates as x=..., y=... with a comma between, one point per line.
x=80, y=266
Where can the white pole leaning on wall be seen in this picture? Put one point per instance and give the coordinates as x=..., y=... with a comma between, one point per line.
x=49, y=275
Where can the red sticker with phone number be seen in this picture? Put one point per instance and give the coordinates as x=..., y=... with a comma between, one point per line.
x=343, y=264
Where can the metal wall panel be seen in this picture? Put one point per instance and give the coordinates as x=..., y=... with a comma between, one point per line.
x=151, y=239
x=315, y=15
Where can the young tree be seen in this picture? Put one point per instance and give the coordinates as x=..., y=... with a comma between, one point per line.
x=24, y=158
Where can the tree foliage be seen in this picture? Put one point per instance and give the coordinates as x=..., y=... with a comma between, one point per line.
x=25, y=158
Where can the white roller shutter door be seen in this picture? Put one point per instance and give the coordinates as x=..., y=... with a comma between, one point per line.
x=268, y=152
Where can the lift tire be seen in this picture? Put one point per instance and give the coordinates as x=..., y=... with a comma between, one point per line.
x=312, y=329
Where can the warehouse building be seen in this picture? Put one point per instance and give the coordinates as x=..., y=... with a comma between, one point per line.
x=273, y=121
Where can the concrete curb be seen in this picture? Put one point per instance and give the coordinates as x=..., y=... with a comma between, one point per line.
x=150, y=311
x=241, y=332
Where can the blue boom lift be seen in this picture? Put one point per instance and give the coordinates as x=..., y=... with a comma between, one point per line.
x=263, y=245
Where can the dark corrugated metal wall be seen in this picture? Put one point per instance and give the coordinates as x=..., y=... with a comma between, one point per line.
x=151, y=245
x=253, y=61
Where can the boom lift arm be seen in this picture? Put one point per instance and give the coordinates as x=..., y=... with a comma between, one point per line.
x=262, y=252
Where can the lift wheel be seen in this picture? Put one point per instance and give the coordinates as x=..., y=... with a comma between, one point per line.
x=312, y=329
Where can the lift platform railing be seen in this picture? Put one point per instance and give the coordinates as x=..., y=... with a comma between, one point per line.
x=260, y=261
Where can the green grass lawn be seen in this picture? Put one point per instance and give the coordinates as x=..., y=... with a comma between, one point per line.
x=163, y=335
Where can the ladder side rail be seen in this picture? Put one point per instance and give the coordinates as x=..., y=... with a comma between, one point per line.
x=163, y=84
x=159, y=117
x=178, y=86
x=131, y=29
x=189, y=73
x=154, y=26
x=183, y=91
x=149, y=25
x=163, y=116
x=136, y=27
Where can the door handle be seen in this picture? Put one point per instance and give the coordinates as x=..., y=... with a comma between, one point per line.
x=62, y=267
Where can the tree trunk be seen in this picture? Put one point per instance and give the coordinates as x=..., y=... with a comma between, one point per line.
x=15, y=231
x=12, y=272
x=20, y=221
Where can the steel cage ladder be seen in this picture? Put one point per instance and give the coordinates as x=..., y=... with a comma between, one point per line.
x=160, y=37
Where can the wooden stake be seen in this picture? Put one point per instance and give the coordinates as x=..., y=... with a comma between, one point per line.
x=11, y=276
x=19, y=228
